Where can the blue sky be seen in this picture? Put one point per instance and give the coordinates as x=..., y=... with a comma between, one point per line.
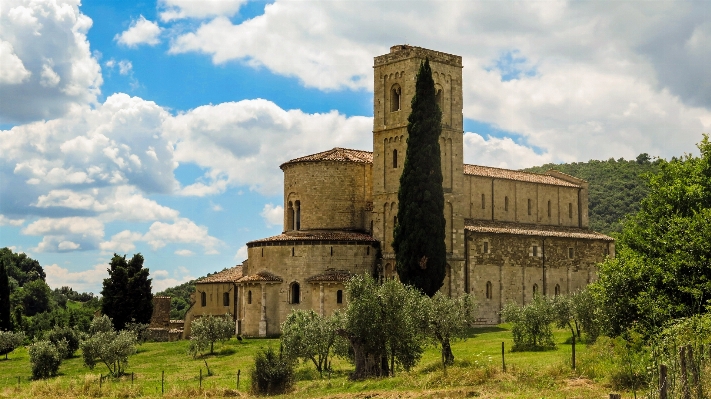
x=159, y=126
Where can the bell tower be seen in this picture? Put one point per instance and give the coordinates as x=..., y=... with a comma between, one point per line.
x=394, y=77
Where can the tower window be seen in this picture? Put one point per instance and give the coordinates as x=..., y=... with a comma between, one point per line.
x=395, y=98
x=570, y=210
x=295, y=292
x=297, y=218
x=226, y=299
x=331, y=251
x=394, y=159
x=535, y=250
x=438, y=99
x=483, y=201
x=549, y=209
x=571, y=253
x=529, y=206
x=203, y=299
x=489, y=290
x=486, y=247
x=367, y=250
x=249, y=297
x=292, y=251
x=557, y=290
x=535, y=289
x=339, y=296
x=506, y=204
x=262, y=252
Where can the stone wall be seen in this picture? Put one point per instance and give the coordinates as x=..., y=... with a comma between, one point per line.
x=161, y=312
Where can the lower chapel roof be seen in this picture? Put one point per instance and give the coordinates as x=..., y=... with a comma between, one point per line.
x=484, y=226
x=315, y=236
x=357, y=156
x=230, y=275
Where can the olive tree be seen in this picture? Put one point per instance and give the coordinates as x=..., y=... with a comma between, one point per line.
x=448, y=319
x=209, y=329
x=307, y=335
x=45, y=359
x=531, y=324
x=108, y=346
x=9, y=341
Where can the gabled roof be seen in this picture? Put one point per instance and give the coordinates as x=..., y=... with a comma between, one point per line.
x=230, y=275
x=485, y=226
x=499, y=173
x=337, y=155
x=331, y=275
x=317, y=236
x=263, y=276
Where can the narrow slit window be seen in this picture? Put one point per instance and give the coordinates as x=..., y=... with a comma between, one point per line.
x=249, y=297
x=367, y=250
x=535, y=289
x=557, y=290
x=529, y=206
x=489, y=290
x=570, y=210
x=339, y=296
x=535, y=250
x=295, y=293
x=292, y=251
x=331, y=251
x=203, y=299
x=262, y=252
x=395, y=98
x=483, y=201
x=506, y=204
x=297, y=218
x=394, y=159
x=571, y=253
x=486, y=247
x=226, y=299
x=549, y=209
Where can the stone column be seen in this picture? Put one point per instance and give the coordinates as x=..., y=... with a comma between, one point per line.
x=263, y=318
x=321, y=299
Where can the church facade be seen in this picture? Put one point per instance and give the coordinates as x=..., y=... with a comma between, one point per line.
x=509, y=234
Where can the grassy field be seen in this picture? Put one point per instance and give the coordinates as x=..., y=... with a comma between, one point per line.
x=477, y=373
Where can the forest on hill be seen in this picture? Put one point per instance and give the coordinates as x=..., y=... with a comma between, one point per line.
x=616, y=187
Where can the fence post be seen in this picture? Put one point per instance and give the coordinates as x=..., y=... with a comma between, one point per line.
x=132, y=378
x=503, y=359
x=685, y=391
x=162, y=382
x=200, y=377
x=101, y=379
x=18, y=380
x=573, y=351
x=695, y=383
x=663, y=381
x=238, y=371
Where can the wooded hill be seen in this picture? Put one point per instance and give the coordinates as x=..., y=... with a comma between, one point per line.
x=616, y=187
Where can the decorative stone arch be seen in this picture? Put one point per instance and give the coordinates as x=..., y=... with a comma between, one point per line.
x=294, y=293
x=395, y=97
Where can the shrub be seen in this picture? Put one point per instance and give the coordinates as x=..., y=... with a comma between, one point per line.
x=45, y=359
x=272, y=374
x=9, y=341
x=66, y=335
x=207, y=330
x=622, y=363
x=140, y=330
x=307, y=335
x=531, y=324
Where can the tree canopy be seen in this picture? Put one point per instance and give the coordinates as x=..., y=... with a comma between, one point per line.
x=5, y=321
x=127, y=292
x=420, y=232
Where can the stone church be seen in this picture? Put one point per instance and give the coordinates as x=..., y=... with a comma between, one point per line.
x=509, y=234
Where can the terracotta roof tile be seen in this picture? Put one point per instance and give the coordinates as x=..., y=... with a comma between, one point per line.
x=331, y=275
x=263, y=276
x=482, y=226
x=230, y=275
x=317, y=236
x=487, y=171
x=338, y=155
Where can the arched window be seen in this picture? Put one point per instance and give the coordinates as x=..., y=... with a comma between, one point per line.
x=290, y=216
x=489, y=290
x=549, y=209
x=570, y=210
x=557, y=290
x=394, y=159
x=483, y=201
x=529, y=206
x=506, y=204
x=395, y=98
x=295, y=292
x=203, y=299
x=339, y=296
x=297, y=218
x=535, y=289
x=438, y=98
x=226, y=299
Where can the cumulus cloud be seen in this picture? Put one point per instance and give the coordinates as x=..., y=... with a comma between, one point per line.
x=273, y=215
x=500, y=152
x=46, y=66
x=122, y=242
x=181, y=231
x=5, y=221
x=85, y=280
x=241, y=254
x=162, y=279
x=184, y=252
x=66, y=234
x=179, y=9
x=141, y=31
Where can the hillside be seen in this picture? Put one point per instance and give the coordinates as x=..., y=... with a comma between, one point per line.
x=616, y=187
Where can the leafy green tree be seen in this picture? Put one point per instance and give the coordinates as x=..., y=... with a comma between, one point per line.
x=5, y=320
x=35, y=297
x=45, y=359
x=9, y=341
x=306, y=335
x=69, y=336
x=448, y=319
x=662, y=270
x=420, y=232
x=384, y=325
x=209, y=329
x=272, y=374
x=20, y=267
x=531, y=324
x=107, y=346
x=127, y=293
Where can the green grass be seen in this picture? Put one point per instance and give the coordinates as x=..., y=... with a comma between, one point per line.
x=477, y=372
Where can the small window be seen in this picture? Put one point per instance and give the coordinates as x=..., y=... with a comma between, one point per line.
x=557, y=290
x=249, y=297
x=394, y=159
x=571, y=253
x=529, y=206
x=295, y=293
x=367, y=250
x=535, y=250
x=549, y=209
x=292, y=251
x=605, y=251
x=535, y=289
x=395, y=98
x=203, y=299
x=489, y=291
x=506, y=204
x=438, y=99
x=570, y=210
x=486, y=247
x=483, y=201
x=339, y=296
x=226, y=299
x=262, y=252
x=297, y=219
x=331, y=251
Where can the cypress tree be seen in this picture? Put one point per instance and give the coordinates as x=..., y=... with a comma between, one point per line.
x=419, y=245
x=127, y=292
x=5, y=322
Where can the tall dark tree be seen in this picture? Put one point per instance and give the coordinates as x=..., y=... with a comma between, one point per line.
x=5, y=322
x=127, y=292
x=420, y=232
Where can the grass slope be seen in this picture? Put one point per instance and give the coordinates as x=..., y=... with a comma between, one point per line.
x=476, y=373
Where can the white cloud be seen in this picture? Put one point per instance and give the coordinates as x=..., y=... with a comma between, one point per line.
x=179, y=9
x=12, y=71
x=184, y=252
x=181, y=231
x=241, y=254
x=273, y=215
x=5, y=221
x=122, y=242
x=125, y=67
x=163, y=280
x=141, y=31
x=66, y=234
x=46, y=66
x=500, y=153
x=86, y=280
x=216, y=207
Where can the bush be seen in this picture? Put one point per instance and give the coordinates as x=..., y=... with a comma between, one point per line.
x=531, y=324
x=45, y=359
x=9, y=341
x=272, y=374
x=207, y=330
x=67, y=335
x=140, y=330
x=622, y=363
